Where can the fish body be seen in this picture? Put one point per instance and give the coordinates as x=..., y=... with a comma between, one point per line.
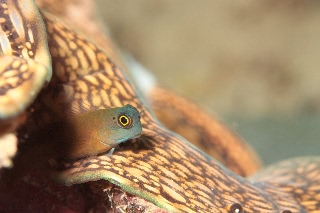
x=78, y=136
x=97, y=131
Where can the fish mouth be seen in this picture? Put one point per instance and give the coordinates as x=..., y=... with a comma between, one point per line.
x=124, y=139
x=137, y=136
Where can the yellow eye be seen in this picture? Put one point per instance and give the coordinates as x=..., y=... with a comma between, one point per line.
x=124, y=121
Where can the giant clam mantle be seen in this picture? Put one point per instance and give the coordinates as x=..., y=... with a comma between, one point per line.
x=160, y=170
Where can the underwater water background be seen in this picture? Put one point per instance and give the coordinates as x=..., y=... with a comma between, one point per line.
x=254, y=65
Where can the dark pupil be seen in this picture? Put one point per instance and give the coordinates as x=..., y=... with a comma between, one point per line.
x=124, y=120
x=236, y=208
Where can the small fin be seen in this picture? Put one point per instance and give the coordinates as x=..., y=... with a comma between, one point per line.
x=78, y=107
x=110, y=152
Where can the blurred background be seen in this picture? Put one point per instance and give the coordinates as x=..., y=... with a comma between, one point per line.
x=255, y=65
